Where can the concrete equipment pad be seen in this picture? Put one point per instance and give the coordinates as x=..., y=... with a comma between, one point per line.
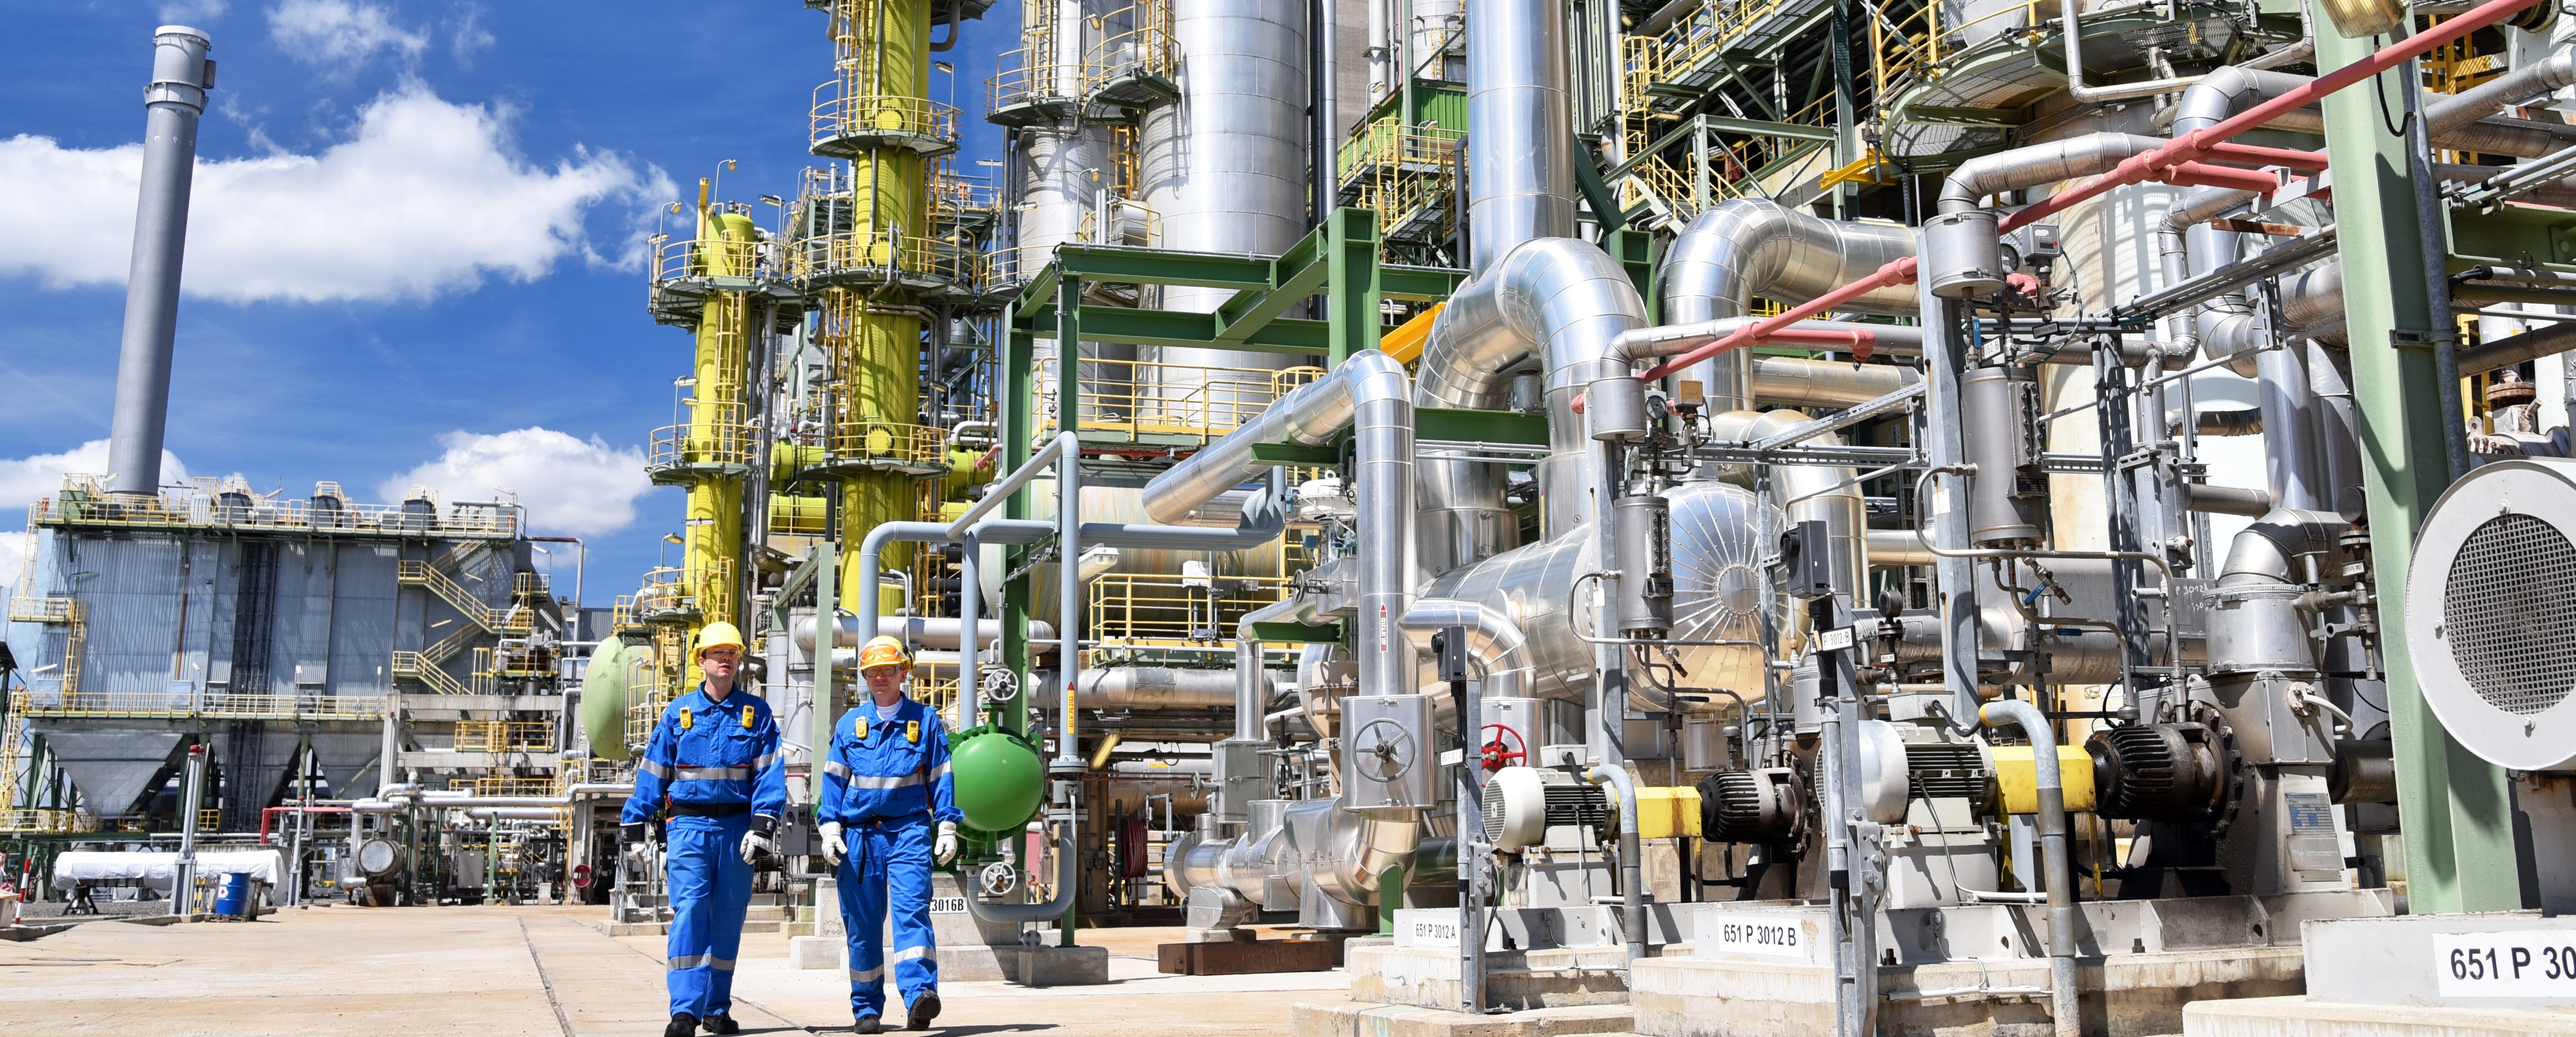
x=1366, y=1019
x=2302, y=1017
x=546, y=971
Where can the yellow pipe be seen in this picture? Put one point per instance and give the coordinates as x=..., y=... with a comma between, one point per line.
x=1100, y=757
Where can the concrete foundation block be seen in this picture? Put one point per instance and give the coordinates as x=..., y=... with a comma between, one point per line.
x=2303, y=1017
x=1427, y=977
x=1364, y=1019
x=816, y=952
x=2129, y=995
x=1057, y=966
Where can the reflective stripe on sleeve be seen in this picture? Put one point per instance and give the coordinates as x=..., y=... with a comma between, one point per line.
x=939, y=772
x=654, y=769
x=836, y=768
x=765, y=760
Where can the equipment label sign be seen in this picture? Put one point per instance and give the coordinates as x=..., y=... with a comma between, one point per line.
x=2310, y=812
x=2521, y=963
x=1767, y=934
x=948, y=905
x=1426, y=930
x=1838, y=639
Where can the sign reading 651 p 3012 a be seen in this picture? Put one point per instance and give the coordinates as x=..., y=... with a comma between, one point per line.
x=2523, y=963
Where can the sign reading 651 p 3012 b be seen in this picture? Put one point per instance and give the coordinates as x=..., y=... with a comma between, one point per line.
x=2520, y=963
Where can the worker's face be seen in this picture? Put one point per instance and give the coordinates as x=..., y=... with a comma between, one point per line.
x=884, y=682
x=719, y=664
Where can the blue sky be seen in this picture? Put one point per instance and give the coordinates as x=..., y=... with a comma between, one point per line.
x=415, y=237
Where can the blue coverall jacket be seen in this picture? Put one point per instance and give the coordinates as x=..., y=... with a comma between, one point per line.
x=716, y=765
x=886, y=783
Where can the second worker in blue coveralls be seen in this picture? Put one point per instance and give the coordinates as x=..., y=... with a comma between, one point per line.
x=714, y=757
x=887, y=812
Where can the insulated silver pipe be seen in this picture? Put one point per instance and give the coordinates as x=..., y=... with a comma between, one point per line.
x=1799, y=382
x=1494, y=641
x=1561, y=301
x=1747, y=248
x=1371, y=395
x=1968, y=185
x=1630, y=880
x=181, y=75
x=1520, y=157
x=2549, y=74
x=2065, y=1007
x=1156, y=687
x=1251, y=686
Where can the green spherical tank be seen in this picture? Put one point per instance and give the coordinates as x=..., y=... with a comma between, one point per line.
x=998, y=778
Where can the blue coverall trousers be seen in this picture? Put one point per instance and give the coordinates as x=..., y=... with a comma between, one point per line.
x=888, y=866
x=710, y=892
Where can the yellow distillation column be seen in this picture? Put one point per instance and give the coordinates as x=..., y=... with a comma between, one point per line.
x=720, y=441
x=881, y=54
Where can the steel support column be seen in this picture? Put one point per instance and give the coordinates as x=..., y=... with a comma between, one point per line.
x=2455, y=810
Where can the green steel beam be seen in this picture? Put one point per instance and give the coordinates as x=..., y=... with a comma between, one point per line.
x=1596, y=193
x=1480, y=426
x=1635, y=250
x=1163, y=328
x=2515, y=235
x=1419, y=283
x=1293, y=276
x=1762, y=128
x=1018, y=433
x=2454, y=809
x=1297, y=455
x=1116, y=265
x=1298, y=633
x=1354, y=284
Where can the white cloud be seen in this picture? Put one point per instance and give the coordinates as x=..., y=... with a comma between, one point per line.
x=27, y=478
x=339, y=33
x=568, y=486
x=24, y=479
x=425, y=198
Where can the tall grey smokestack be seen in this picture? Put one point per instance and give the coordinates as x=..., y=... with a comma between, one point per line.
x=181, y=75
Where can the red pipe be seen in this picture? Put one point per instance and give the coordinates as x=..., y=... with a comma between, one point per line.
x=1898, y=272
x=2202, y=174
x=2252, y=154
x=2198, y=144
x=2182, y=157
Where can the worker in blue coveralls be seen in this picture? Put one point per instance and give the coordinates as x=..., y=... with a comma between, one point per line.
x=887, y=811
x=714, y=759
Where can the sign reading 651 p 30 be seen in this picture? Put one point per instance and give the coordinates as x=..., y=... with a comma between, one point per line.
x=2521, y=963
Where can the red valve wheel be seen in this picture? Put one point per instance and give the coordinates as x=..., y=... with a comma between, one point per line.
x=1498, y=753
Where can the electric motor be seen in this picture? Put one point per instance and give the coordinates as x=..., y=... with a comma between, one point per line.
x=1522, y=803
x=1749, y=806
x=2157, y=772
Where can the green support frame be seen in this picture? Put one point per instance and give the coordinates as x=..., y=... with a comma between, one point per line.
x=2455, y=809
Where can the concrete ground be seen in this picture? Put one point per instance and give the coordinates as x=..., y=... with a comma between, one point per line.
x=494, y=971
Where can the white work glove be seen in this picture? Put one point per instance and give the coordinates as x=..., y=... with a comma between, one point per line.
x=832, y=851
x=757, y=844
x=945, y=850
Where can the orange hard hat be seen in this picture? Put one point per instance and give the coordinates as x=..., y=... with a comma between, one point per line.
x=883, y=651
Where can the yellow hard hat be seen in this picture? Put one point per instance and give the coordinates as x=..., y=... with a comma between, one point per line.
x=883, y=651
x=718, y=634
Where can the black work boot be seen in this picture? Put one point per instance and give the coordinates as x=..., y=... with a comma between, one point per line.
x=867, y=1024
x=682, y=1025
x=924, y=1009
x=721, y=1023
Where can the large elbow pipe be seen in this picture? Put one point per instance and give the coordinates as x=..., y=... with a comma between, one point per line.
x=1370, y=395
x=1744, y=249
x=2063, y=1005
x=2048, y=163
x=1560, y=300
x=1494, y=642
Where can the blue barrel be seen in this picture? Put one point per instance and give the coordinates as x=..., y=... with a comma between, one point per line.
x=233, y=901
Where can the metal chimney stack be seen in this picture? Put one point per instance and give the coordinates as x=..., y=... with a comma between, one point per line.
x=181, y=75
